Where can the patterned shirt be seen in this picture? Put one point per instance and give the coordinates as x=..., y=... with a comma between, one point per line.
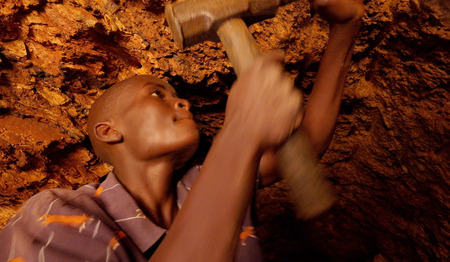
x=97, y=222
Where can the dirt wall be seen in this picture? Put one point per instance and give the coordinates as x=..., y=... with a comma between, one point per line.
x=388, y=162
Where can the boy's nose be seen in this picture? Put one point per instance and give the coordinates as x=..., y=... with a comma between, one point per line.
x=182, y=104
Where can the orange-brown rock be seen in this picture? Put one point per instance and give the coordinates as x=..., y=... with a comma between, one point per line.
x=389, y=160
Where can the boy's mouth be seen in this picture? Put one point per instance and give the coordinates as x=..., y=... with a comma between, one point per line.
x=183, y=115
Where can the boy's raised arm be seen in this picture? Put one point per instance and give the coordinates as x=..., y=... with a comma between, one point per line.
x=322, y=108
x=323, y=105
x=207, y=227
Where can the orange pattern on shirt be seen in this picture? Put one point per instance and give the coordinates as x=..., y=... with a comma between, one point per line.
x=17, y=259
x=65, y=220
x=248, y=232
x=114, y=243
x=98, y=191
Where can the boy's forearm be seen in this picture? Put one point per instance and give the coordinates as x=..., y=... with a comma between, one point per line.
x=324, y=102
x=221, y=193
x=323, y=105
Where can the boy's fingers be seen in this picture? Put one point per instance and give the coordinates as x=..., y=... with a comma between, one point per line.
x=274, y=58
x=299, y=117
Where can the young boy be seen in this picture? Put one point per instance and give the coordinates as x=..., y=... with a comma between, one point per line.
x=146, y=132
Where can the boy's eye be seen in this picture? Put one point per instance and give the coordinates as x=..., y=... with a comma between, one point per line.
x=157, y=93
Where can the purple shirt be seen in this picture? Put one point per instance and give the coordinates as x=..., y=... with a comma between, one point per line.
x=97, y=222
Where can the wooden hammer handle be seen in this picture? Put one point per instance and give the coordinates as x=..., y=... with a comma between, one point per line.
x=309, y=189
x=240, y=45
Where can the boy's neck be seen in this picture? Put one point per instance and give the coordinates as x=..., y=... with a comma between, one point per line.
x=153, y=187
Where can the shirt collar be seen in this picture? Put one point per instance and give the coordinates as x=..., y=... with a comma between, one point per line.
x=123, y=209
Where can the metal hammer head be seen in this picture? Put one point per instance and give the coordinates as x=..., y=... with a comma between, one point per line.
x=193, y=21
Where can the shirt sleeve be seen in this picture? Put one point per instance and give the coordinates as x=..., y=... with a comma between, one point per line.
x=47, y=229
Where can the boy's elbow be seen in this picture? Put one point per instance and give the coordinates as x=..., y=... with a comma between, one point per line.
x=320, y=144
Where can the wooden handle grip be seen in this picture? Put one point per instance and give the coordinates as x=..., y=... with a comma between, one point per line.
x=240, y=45
x=309, y=189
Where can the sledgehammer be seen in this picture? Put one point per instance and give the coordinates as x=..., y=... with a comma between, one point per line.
x=193, y=21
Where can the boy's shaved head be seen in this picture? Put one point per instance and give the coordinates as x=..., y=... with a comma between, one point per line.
x=112, y=102
x=103, y=109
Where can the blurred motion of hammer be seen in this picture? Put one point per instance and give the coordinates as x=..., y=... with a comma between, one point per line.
x=194, y=21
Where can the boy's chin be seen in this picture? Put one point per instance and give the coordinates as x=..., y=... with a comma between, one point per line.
x=187, y=154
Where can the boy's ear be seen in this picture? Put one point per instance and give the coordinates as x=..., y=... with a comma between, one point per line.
x=106, y=133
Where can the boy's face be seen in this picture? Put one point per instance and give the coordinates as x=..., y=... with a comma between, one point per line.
x=155, y=122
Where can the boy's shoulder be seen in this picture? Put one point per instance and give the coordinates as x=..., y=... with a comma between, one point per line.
x=53, y=205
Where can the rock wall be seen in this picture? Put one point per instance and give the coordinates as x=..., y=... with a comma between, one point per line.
x=389, y=160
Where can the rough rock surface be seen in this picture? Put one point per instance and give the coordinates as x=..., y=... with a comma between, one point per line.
x=389, y=160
